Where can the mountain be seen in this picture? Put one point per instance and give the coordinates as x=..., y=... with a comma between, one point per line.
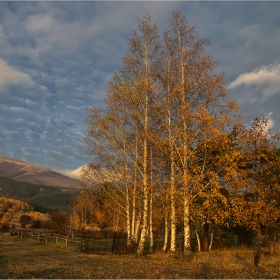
x=73, y=173
x=26, y=172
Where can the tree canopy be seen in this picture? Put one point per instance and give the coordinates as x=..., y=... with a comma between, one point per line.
x=170, y=137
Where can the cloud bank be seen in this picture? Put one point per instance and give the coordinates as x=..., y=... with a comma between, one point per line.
x=11, y=76
x=265, y=79
x=56, y=57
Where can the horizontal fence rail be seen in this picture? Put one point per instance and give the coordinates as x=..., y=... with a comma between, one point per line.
x=109, y=242
x=94, y=242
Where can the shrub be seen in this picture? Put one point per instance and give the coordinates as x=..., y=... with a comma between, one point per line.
x=37, y=224
x=4, y=227
x=24, y=220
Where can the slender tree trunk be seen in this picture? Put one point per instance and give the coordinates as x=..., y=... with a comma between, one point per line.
x=145, y=199
x=137, y=226
x=127, y=193
x=211, y=239
x=166, y=230
x=151, y=223
x=134, y=190
x=133, y=217
x=145, y=159
x=184, y=109
x=172, y=223
x=206, y=237
x=198, y=241
x=187, y=233
x=145, y=205
x=128, y=228
x=172, y=192
x=117, y=222
x=151, y=205
x=271, y=243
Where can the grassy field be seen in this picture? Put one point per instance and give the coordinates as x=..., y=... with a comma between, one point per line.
x=25, y=258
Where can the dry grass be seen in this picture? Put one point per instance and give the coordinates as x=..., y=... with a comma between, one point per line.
x=29, y=259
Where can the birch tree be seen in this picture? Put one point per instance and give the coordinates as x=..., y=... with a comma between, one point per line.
x=194, y=106
x=139, y=64
x=169, y=97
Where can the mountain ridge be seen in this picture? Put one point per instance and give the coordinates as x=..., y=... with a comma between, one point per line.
x=26, y=172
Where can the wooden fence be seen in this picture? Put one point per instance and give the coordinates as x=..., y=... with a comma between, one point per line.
x=108, y=242
x=104, y=242
x=95, y=242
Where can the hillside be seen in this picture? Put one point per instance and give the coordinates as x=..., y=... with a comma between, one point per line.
x=26, y=172
x=11, y=211
x=40, y=196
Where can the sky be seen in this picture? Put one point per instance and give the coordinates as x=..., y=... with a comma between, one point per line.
x=56, y=57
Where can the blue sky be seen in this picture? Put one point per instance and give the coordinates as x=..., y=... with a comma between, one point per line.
x=55, y=59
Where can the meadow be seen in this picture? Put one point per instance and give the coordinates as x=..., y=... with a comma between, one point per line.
x=26, y=258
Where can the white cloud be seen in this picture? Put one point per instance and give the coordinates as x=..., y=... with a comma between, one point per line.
x=10, y=76
x=39, y=23
x=266, y=79
x=270, y=123
x=3, y=36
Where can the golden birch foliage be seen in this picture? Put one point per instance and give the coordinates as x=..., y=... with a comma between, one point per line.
x=258, y=177
x=170, y=97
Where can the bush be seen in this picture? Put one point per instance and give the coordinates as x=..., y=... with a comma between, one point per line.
x=4, y=227
x=59, y=221
x=37, y=224
x=24, y=220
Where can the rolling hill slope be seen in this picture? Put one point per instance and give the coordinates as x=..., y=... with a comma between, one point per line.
x=43, y=198
x=26, y=172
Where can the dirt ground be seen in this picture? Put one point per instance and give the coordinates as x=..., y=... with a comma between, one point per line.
x=25, y=258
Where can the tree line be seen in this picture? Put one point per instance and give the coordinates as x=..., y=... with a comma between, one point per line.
x=169, y=137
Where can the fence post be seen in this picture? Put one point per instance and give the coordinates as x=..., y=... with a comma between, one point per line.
x=83, y=245
x=56, y=240
x=113, y=246
x=105, y=249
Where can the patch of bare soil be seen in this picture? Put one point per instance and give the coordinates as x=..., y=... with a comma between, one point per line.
x=10, y=169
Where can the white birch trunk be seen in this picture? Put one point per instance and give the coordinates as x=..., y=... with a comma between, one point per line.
x=145, y=202
x=134, y=191
x=151, y=223
x=127, y=198
x=172, y=219
x=140, y=249
x=185, y=153
x=187, y=233
x=151, y=205
x=128, y=228
x=166, y=231
x=137, y=226
x=198, y=241
x=172, y=182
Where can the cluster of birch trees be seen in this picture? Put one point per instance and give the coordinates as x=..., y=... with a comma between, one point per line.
x=169, y=134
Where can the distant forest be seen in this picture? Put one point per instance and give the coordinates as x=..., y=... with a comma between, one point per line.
x=43, y=198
